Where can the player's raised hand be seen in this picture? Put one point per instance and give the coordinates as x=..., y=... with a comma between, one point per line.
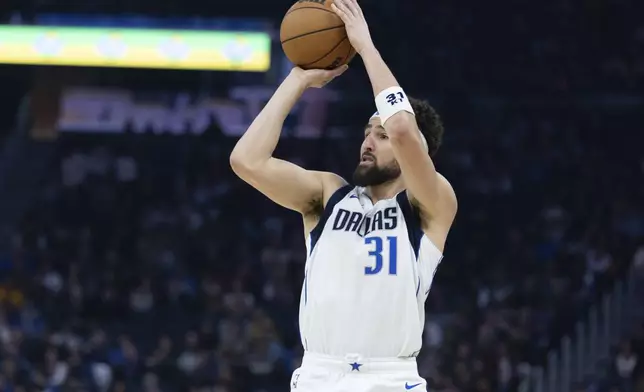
x=354, y=22
x=317, y=77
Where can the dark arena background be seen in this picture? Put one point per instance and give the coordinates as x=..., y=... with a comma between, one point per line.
x=132, y=259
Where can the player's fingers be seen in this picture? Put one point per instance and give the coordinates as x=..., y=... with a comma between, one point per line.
x=359, y=9
x=324, y=76
x=340, y=12
x=353, y=6
x=338, y=71
x=343, y=6
x=334, y=73
x=331, y=74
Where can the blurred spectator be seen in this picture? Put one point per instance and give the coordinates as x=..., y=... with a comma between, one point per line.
x=625, y=363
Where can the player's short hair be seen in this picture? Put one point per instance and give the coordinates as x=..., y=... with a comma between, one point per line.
x=429, y=123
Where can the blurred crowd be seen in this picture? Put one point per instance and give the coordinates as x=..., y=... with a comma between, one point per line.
x=623, y=371
x=145, y=265
x=626, y=372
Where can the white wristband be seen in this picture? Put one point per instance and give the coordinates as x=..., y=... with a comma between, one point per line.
x=391, y=101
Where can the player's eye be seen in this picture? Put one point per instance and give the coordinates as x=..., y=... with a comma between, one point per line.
x=384, y=136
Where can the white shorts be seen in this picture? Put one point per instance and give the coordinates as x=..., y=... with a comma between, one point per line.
x=320, y=373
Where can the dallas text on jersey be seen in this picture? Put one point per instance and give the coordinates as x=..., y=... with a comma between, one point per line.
x=361, y=224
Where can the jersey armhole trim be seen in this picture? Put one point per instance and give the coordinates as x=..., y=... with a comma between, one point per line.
x=326, y=214
x=412, y=219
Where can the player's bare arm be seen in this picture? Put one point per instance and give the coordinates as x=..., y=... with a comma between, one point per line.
x=283, y=182
x=429, y=190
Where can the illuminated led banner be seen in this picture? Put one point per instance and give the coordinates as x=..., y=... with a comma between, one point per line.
x=135, y=48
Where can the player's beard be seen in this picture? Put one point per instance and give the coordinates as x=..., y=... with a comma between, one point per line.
x=374, y=175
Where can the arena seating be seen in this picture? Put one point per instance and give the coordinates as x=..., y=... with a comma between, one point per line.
x=145, y=265
x=145, y=262
x=625, y=371
x=11, y=95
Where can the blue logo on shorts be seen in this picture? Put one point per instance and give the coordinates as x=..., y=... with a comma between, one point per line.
x=407, y=386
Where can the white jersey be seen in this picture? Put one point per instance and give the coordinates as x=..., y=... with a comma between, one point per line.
x=368, y=272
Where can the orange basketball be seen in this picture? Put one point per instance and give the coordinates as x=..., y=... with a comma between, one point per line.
x=313, y=36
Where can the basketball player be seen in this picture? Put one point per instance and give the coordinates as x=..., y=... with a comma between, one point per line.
x=373, y=249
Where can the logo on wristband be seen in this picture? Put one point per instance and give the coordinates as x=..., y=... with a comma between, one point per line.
x=395, y=98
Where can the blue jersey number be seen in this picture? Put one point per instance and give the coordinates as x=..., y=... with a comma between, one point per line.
x=377, y=243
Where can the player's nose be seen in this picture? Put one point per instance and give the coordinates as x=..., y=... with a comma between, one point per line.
x=366, y=150
x=368, y=144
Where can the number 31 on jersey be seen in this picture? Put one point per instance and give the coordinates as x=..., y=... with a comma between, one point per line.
x=379, y=254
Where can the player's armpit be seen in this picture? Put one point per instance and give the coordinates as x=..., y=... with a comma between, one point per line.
x=289, y=185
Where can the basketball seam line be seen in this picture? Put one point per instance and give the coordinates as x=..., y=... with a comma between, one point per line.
x=327, y=53
x=311, y=32
x=344, y=60
x=310, y=8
